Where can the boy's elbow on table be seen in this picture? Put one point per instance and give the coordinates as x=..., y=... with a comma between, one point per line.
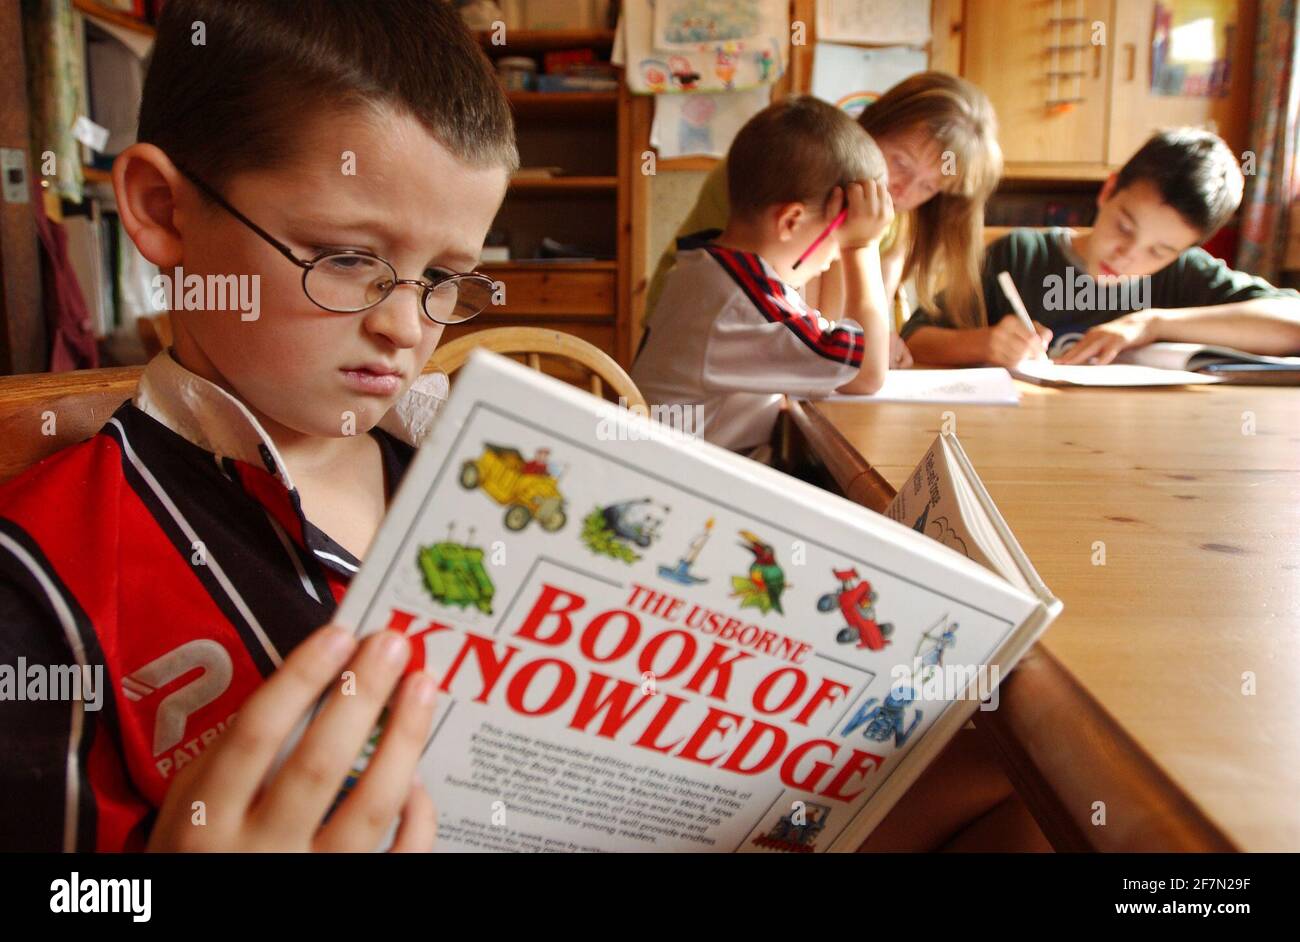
x=868, y=381
x=862, y=386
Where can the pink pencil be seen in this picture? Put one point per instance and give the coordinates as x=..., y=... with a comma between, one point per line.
x=835, y=224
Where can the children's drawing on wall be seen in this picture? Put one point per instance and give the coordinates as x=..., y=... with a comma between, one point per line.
x=686, y=46
x=702, y=124
x=851, y=78
x=690, y=23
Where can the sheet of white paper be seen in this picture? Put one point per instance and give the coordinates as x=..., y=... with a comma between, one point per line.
x=850, y=77
x=1111, y=374
x=703, y=124
x=874, y=21
x=988, y=386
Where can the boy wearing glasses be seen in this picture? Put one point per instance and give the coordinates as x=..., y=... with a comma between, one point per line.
x=350, y=158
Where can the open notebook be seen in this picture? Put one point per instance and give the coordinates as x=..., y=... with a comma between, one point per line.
x=1168, y=364
x=645, y=642
x=945, y=499
x=1047, y=373
x=1225, y=363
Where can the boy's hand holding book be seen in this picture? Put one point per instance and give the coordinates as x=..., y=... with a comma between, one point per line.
x=231, y=798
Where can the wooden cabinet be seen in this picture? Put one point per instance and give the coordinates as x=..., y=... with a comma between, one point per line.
x=1036, y=61
x=1136, y=114
x=1071, y=107
x=579, y=298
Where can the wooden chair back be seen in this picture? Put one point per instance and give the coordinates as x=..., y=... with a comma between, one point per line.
x=534, y=343
x=43, y=412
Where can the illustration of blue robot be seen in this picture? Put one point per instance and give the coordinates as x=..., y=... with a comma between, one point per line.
x=887, y=719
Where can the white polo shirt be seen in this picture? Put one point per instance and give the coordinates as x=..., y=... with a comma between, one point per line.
x=730, y=335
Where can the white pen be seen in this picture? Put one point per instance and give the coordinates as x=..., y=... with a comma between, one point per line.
x=1018, y=305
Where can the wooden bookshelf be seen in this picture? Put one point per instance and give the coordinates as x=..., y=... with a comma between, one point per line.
x=532, y=265
x=544, y=40
x=700, y=162
x=95, y=175
x=589, y=204
x=563, y=105
x=564, y=186
x=99, y=12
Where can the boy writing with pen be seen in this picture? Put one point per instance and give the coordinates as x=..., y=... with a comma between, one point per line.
x=1136, y=278
x=731, y=333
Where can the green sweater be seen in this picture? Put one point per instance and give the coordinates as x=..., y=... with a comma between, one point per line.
x=1059, y=294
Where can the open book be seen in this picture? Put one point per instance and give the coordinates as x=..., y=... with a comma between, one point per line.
x=1047, y=373
x=945, y=499
x=645, y=642
x=1223, y=362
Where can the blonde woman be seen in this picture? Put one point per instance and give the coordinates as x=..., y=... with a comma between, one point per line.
x=938, y=133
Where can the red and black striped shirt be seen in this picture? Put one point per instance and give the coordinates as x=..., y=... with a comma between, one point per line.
x=169, y=552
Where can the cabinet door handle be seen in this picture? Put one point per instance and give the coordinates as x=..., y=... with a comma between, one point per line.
x=1096, y=61
x=1132, y=50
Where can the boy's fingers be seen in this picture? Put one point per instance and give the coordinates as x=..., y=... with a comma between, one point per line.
x=419, y=827
x=374, y=804
x=1084, y=350
x=305, y=788
x=835, y=203
x=247, y=749
x=1108, y=350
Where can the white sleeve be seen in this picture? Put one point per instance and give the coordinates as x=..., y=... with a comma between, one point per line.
x=798, y=353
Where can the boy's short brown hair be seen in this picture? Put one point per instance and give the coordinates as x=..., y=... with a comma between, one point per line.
x=797, y=150
x=230, y=81
x=1195, y=172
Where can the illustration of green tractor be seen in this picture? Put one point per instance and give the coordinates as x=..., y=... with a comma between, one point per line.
x=527, y=489
x=454, y=575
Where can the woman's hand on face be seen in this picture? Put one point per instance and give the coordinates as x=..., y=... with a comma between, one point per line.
x=224, y=801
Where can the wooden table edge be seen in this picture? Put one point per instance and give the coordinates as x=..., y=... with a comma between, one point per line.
x=1060, y=748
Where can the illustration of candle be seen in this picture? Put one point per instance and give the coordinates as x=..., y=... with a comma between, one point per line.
x=681, y=573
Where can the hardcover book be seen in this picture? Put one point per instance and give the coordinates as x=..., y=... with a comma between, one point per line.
x=647, y=643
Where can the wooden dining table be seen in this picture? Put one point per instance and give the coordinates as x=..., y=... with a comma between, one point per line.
x=1160, y=711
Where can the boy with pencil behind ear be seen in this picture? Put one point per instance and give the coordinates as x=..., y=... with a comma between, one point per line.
x=730, y=331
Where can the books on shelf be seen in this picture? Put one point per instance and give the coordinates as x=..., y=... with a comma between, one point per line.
x=114, y=84
x=92, y=250
x=645, y=642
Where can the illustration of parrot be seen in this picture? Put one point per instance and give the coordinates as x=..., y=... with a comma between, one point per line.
x=766, y=581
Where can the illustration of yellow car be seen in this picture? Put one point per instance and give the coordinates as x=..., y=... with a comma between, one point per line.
x=527, y=489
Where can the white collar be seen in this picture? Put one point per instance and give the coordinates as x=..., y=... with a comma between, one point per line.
x=203, y=413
